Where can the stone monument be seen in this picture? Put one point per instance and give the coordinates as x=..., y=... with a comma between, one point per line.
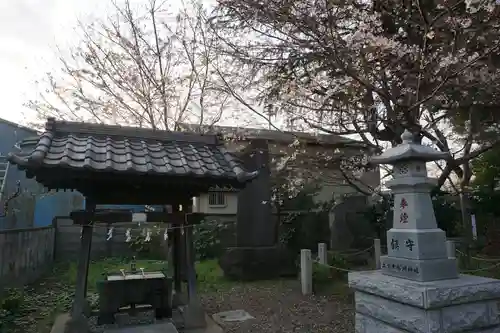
x=257, y=254
x=418, y=288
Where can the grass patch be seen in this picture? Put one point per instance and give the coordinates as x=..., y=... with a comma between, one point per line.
x=98, y=268
x=211, y=277
x=53, y=294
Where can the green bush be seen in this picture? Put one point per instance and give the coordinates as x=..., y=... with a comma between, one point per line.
x=207, y=239
x=148, y=250
x=303, y=230
x=12, y=300
x=335, y=260
x=10, y=305
x=321, y=274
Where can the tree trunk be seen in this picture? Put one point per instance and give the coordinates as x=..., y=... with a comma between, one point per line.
x=465, y=209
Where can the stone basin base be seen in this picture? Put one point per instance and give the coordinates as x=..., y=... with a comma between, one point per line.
x=117, y=291
x=161, y=327
x=387, y=304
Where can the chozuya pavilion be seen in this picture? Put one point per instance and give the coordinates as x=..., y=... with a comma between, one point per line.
x=131, y=166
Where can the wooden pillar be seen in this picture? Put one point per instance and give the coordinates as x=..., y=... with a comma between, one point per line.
x=190, y=260
x=177, y=253
x=192, y=313
x=79, y=302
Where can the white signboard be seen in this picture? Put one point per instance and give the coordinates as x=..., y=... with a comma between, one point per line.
x=474, y=228
x=139, y=217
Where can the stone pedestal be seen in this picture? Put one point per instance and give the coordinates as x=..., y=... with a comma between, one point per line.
x=257, y=263
x=387, y=304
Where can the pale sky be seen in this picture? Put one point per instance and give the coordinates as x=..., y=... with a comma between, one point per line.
x=29, y=31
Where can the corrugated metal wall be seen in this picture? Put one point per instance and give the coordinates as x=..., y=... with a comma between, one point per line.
x=33, y=207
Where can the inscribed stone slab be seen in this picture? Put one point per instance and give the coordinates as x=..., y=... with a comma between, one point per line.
x=413, y=210
x=420, y=270
x=417, y=244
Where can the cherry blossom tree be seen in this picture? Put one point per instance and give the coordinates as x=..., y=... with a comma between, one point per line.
x=372, y=69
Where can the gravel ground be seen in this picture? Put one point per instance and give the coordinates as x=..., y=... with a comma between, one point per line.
x=282, y=308
x=277, y=308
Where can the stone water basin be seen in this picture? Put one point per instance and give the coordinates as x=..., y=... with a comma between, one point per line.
x=136, y=276
x=125, y=289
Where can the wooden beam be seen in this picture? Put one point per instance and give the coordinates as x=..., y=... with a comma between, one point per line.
x=84, y=217
x=128, y=187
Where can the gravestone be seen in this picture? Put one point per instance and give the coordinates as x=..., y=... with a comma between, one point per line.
x=418, y=288
x=256, y=254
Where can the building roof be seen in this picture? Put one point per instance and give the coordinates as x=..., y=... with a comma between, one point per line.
x=285, y=137
x=13, y=124
x=128, y=150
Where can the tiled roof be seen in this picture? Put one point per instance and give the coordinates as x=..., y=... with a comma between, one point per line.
x=117, y=149
x=285, y=137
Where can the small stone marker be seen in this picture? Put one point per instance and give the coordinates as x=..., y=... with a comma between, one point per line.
x=378, y=252
x=306, y=271
x=418, y=288
x=322, y=253
x=231, y=316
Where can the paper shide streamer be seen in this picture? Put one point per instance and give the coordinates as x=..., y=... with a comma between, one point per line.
x=110, y=234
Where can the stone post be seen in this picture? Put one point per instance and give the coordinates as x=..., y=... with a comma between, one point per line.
x=196, y=205
x=450, y=249
x=306, y=271
x=378, y=252
x=418, y=288
x=322, y=254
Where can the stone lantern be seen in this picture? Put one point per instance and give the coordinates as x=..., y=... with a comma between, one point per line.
x=416, y=246
x=418, y=288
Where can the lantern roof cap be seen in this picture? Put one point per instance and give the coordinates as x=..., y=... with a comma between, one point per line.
x=409, y=150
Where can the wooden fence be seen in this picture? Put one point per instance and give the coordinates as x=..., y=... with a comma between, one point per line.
x=25, y=254
x=67, y=241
